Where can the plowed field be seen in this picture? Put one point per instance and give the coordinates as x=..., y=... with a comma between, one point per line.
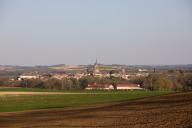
x=170, y=111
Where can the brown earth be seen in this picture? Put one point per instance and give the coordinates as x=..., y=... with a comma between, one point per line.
x=43, y=93
x=170, y=111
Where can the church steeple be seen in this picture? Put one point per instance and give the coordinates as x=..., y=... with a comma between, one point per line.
x=96, y=67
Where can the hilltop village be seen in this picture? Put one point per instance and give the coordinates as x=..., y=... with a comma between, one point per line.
x=97, y=77
x=96, y=70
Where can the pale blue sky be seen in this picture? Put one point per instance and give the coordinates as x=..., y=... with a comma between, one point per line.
x=45, y=32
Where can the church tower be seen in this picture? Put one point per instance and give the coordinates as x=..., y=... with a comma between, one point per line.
x=96, y=67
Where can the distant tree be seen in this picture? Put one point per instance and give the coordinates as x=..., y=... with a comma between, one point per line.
x=171, y=71
x=53, y=84
x=4, y=81
x=114, y=84
x=24, y=83
x=111, y=73
x=158, y=82
x=35, y=83
x=75, y=83
x=64, y=83
x=148, y=82
x=83, y=83
x=90, y=71
x=186, y=81
x=138, y=80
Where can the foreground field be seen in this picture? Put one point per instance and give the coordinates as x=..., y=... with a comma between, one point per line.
x=170, y=111
x=19, y=101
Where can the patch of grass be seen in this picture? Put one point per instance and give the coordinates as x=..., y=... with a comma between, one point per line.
x=107, y=68
x=11, y=103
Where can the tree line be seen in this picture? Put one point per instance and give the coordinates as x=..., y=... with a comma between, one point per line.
x=181, y=81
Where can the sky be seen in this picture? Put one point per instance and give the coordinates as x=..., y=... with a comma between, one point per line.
x=131, y=32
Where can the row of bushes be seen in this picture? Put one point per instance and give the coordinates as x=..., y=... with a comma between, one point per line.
x=51, y=83
x=165, y=82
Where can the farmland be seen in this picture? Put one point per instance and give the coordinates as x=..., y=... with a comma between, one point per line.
x=29, y=99
x=168, y=111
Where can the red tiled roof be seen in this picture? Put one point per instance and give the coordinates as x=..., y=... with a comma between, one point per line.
x=98, y=85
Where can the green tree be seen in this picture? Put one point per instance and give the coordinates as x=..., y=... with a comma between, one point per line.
x=83, y=83
x=158, y=82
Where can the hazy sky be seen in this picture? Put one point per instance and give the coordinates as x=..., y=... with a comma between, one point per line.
x=45, y=32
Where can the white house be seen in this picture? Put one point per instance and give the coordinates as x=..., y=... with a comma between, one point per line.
x=127, y=86
x=21, y=77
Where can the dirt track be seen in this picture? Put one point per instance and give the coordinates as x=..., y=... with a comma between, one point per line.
x=172, y=111
x=40, y=93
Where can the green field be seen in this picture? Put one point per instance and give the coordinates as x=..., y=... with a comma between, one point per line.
x=11, y=103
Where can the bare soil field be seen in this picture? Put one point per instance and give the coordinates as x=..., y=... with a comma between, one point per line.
x=170, y=111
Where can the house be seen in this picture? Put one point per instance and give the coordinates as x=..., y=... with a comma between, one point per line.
x=59, y=76
x=23, y=77
x=31, y=75
x=126, y=86
x=96, y=86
